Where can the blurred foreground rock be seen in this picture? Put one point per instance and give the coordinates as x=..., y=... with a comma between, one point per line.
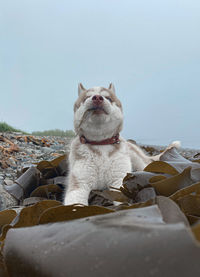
x=135, y=242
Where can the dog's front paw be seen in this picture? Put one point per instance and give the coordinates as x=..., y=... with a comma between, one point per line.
x=77, y=196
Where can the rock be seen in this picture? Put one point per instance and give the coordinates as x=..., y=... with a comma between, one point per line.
x=57, y=147
x=8, y=182
x=47, y=150
x=6, y=199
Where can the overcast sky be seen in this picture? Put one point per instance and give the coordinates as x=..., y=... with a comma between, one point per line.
x=150, y=50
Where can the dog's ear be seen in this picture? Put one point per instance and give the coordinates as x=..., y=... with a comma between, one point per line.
x=111, y=87
x=80, y=88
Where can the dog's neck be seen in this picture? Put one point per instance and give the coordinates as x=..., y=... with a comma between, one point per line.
x=99, y=132
x=112, y=140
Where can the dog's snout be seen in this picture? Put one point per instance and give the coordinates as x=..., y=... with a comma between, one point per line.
x=97, y=99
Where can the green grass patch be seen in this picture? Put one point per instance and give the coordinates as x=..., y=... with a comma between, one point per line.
x=4, y=127
x=55, y=132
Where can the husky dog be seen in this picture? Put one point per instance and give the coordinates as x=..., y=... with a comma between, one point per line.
x=99, y=156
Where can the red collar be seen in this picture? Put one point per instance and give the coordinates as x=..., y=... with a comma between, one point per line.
x=113, y=140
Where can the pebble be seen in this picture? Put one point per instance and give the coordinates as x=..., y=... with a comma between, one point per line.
x=8, y=182
x=47, y=150
x=57, y=147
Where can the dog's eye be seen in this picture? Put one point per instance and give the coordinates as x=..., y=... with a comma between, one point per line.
x=109, y=99
x=86, y=98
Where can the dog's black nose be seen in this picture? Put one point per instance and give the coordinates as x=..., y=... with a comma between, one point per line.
x=97, y=99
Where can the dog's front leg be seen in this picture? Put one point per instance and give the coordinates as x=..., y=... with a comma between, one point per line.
x=78, y=190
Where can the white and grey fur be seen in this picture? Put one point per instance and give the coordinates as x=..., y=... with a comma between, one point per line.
x=100, y=166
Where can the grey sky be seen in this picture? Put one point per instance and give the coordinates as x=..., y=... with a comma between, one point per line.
x=150, y=50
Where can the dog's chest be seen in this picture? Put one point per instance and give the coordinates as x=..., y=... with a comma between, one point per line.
x=104, y=165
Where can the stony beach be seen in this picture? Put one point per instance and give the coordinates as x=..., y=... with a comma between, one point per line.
x=18, y=151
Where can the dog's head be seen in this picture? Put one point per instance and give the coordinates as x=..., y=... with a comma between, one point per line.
x=97, y=113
